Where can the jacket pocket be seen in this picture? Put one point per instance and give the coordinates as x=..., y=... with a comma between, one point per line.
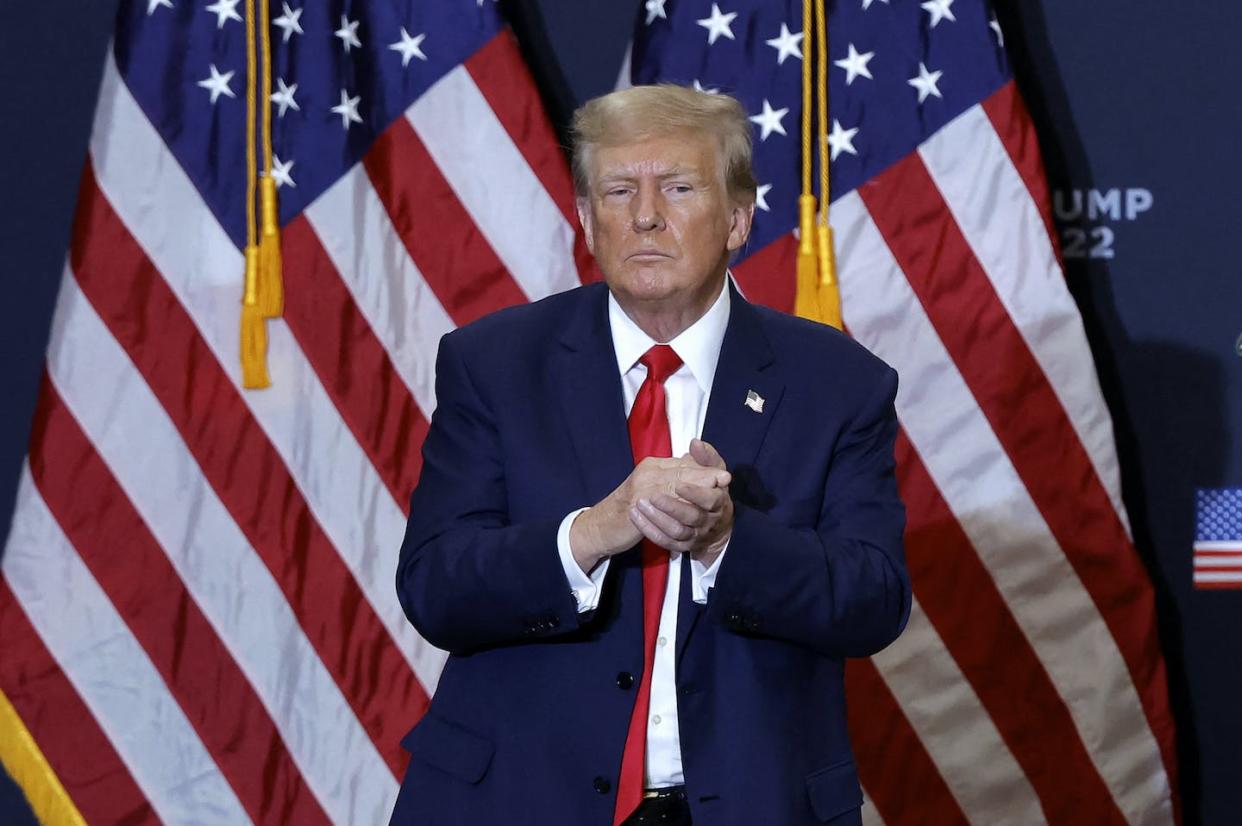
x=450, y=748
x=834, y=790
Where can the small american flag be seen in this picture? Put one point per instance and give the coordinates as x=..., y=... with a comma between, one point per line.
x=1218, y=538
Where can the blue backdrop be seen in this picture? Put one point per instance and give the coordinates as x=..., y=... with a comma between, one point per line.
x=1138, y=112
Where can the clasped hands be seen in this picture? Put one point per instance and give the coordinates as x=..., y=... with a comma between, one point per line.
x=681, y=504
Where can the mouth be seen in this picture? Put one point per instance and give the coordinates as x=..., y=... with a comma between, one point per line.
x=647, y=257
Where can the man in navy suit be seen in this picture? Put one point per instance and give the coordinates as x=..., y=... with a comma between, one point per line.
x=653, y=519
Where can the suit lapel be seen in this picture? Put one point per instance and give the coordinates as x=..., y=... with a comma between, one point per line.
x=591, y=400
x=735, y=428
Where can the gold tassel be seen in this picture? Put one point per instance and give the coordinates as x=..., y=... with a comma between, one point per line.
x=828, y=293
x=271, y=293
x=253, y=328
x=806, y=298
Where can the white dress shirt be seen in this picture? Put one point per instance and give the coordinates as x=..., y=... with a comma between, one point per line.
x=687, y=392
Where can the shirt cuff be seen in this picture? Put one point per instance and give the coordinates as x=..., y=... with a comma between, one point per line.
x=702, y=578
x=586, y=589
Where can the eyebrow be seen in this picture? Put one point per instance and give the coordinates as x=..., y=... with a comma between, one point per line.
x=675, y=172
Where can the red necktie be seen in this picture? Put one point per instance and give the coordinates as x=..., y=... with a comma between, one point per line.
x=649, y=436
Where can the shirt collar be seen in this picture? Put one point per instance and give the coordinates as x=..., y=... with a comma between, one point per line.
x=698, y=345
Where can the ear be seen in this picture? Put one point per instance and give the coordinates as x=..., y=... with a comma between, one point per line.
x=587, y=220
x=740, y=219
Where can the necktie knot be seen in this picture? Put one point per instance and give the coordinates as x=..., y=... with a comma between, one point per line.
x=661, y=362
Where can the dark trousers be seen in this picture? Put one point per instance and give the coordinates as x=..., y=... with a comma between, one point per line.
x=668, y=809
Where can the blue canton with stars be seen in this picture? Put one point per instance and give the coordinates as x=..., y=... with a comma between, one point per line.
x=342, y=71
x=1218, y=515
x=898, y=71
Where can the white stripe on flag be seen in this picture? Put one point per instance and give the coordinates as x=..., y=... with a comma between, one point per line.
x=490, y=175
x=870, y=815
x=333, y=473
x=388, y=288
x=110, y=671
x=1218, y=576
x=235, y=591
x=955, y=728
x=1219, y=560
x=1002, y=224
x=982, y=488
x=1219, y=545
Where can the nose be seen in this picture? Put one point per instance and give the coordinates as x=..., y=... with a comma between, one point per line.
x=648, y=209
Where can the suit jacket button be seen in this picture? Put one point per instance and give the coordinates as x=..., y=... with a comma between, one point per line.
x=602, y=785
x=625, y=680
x=734, y=618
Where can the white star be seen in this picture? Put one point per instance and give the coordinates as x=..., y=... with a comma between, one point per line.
x=480, y=3
x=994, y=25
x=718, y=24
x=409, y=47
x=348, y=32
x=347, y=109
x=769, y=120
x=761, y=197
x=224, y=10
x=855, y=65
x=786, y=44
x=217, y=84
x=926, y=83
x=280, y=173
x=841, y=140
x=655, y=8
x=867, y=3
x=289, y=21
x=283, y=97
x=152, y=5
x=939, y=10
x=701, y=88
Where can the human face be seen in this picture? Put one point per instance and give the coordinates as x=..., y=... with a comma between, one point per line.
x=660, y=222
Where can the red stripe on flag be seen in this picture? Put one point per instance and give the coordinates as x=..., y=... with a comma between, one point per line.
x=1218, y=586
x=1013, y=125
x=1028, y=419
x=245, y=471
x=93, y=774
x=455, y=258
x=351, y=362
x=995, y=655
x=894, y=768
x=131, y=567
x=768, y=276
x=501, y=75
x=1218, y=552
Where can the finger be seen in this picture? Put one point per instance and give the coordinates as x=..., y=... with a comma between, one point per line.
x=667, y=523
x=706, y=455
x=650, y=531
x=707, y=499
x=685, y=512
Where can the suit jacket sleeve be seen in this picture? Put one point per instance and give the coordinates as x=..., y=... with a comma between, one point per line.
x=841, y=588
x=467, y=578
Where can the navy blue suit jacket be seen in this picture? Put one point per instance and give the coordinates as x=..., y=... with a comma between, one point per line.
x=529, y=719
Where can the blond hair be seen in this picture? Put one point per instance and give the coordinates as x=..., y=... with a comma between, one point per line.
x=642, y=112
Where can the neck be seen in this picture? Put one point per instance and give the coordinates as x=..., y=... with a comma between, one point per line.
x=664, y=320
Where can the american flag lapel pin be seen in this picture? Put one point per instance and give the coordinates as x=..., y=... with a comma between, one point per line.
x=754, y=401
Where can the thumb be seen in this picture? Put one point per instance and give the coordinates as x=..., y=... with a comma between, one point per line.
x=706, y=455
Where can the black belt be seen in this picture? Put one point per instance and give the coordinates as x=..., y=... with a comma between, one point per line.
x=666, y=793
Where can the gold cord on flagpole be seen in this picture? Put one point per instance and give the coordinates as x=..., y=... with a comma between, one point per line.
x=829, y=296
x=816, y=296
x=806, y=302
x=271, y=286
x=253, y=323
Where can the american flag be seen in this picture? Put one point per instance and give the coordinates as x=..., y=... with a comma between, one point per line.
x=1218, y=538
x=1029, y=686
x=197, y=609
